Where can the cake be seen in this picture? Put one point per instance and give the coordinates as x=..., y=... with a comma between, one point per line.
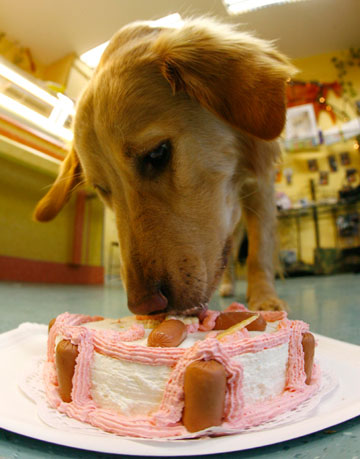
x=179, y=377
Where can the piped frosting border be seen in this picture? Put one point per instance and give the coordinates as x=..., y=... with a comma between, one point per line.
x=166, y=421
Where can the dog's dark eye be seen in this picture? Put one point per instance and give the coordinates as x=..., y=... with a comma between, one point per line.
x=159, y=156
x=156, y=160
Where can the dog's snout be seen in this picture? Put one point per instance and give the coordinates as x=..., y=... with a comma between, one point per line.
x=148, y=305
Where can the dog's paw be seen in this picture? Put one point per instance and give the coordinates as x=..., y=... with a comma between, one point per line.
x=226, y=289
x=272, y=303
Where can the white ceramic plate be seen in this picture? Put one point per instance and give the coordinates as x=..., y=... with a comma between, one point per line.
x=19, y=414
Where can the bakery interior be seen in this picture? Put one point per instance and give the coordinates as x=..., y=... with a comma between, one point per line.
x=48, y=52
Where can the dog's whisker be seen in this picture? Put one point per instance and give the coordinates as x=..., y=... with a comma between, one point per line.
x=244, y=196
x=252, y=210
x=190, y=276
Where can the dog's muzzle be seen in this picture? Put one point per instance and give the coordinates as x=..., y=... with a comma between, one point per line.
x=155, y=303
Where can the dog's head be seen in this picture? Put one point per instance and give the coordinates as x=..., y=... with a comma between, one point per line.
x=161, y=132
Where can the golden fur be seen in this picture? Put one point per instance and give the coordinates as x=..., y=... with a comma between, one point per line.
x=216, y=97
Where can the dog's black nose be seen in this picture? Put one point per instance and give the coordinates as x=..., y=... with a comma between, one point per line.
x=149, y=305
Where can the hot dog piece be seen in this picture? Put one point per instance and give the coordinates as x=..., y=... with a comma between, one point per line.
x=308, y=345
x=66, y=354
x=51, y=323
x=169, y=333
x=204, y=392
x=227, y=319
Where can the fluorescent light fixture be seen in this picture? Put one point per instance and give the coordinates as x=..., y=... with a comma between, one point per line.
x=92, y=57
x=243, y=6
x=63, y=107
x=15, y=77
x=35, y=118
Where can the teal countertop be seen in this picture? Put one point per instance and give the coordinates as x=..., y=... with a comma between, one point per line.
x=330, y=304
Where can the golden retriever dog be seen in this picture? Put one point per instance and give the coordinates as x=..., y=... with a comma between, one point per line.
x=176, y=131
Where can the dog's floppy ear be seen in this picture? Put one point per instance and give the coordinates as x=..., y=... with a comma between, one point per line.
x=69, y=176
x=239, y=78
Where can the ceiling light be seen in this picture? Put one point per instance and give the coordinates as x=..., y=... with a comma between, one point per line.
x=92, y=57
x=35, y=118
x=243, y=6
x=15, y=77
x=62, y=106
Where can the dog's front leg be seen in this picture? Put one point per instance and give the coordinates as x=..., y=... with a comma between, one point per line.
x=260, y=216
x=227, y=285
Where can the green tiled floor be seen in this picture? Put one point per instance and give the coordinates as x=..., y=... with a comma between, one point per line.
x=330, y=304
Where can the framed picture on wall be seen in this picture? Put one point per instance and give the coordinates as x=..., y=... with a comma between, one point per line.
x=332, y=163
x=301, y=123
x=324, y=178
x=351, y=176
x=313, y=165
x=288, y=173
x=345, y=158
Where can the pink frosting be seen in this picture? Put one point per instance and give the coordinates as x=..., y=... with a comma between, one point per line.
x=240, y=334
x=135, y=332
x=209, y=320
x=296, y=374
x=273, y=316
x=66, y=319
x=166, y=421
x=235, y=307
x=192, y=328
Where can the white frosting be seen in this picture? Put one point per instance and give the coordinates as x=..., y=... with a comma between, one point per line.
x=127, y=387
x=106, y=324
x=112, y=324
x=264, y=373
x=271, y=327
x=191, y=339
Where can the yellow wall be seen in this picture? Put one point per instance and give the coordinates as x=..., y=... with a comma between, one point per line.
x=20, y=189
x=59, y=70
x=111, y=250
x=93, y=236
x=319, y=68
